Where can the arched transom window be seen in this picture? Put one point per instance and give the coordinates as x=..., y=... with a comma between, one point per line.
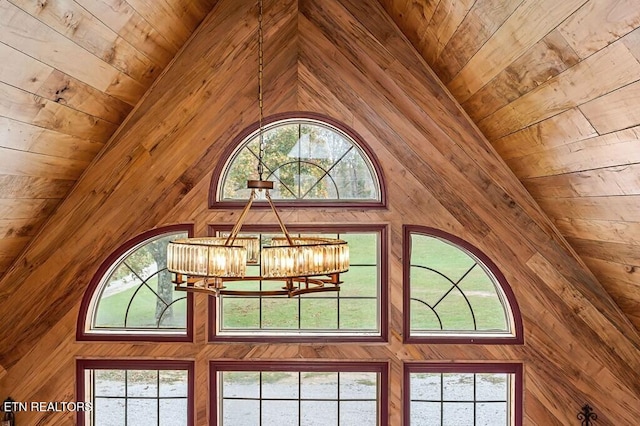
x=308, y=160
x=453, y=291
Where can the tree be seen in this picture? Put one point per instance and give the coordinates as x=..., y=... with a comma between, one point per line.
x=158, y=251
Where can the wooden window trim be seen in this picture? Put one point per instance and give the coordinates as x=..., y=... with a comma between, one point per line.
x=516, y=339
x=138, y=336
x=384, y=287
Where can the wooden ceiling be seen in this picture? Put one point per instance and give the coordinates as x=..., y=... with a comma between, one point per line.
x=554, y=86
x=71, y=72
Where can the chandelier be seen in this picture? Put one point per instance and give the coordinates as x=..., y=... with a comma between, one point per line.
x=304, y=264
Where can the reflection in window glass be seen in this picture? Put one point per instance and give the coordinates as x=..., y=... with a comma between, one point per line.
x=354, y=310
x=306, y=160
x=293, y=396
x=453, y=292
x=137, y=292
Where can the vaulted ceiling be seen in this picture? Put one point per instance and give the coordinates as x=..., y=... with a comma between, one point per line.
x=554, y=86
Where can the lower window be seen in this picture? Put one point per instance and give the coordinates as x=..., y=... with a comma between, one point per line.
x=128, y=393
x=463, y=394
x=295, y=393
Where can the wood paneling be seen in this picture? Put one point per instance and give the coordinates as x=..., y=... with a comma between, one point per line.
x=71, y=72
x=555, y=89
x=346, y=59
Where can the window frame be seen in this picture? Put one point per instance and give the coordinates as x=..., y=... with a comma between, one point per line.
x=381, y=367
x=517, y=338
x=383, y=255
x=237, y=143
x=516, y=391
x=88, y=304
x=134, y=364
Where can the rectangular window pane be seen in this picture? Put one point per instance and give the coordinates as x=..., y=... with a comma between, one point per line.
x=240, y=312
x=457, y=387
x=142, y=411
x=278, y=413
x=280, y=385
x=280, y=313
x=240, y=412
x=109, y=383
x=173, y=383
x=358, y=413
x=318, y=413
x=426, y=413
x=173, y=412
x=358, y=386
x=109, y=411
x=457, y=414
x=320, y=314
x=319, y=385
x=142, y=383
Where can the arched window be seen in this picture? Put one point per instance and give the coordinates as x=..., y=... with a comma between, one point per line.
x=310, y=160
x=454, y=293
x=132, y=297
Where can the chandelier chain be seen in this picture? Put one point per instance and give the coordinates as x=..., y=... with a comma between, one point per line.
x=260, y=89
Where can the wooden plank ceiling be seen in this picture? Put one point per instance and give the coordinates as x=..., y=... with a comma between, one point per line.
x=70, y=73
x=554, y=86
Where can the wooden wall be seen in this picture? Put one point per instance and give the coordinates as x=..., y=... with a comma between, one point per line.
x=345, y=59
x=555, y=87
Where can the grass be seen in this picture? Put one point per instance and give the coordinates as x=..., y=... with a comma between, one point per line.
x=353, y=308
x=112, y=309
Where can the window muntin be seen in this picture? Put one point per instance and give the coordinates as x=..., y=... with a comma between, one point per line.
x=451, y=293
x=135, y=392
x=308, y=160
x=133, y=295
x=310, y=393
x=357, y=311
x=463, y=394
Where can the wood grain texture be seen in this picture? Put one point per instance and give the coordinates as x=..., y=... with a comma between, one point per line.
x=531, y=21
x=353, y=64
x=484, y=18
x=547, y=84
x=71, y=72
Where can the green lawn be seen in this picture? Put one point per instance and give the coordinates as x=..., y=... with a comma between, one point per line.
x=112, y=309
x=353, y=308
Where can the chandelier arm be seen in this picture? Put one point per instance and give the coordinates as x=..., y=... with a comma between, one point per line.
x=236, y=228
x=280, y=222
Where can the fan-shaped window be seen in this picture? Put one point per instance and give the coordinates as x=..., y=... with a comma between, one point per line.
x=132, y=295
x=454, y=292
x=308, y=160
